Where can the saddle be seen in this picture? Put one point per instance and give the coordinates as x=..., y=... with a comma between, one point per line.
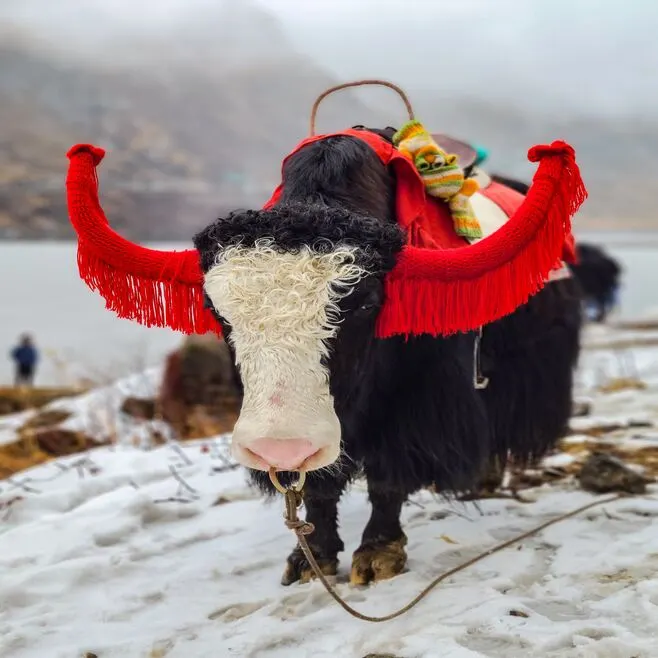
x=465, y=152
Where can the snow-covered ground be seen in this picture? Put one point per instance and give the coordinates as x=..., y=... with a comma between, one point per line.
x=97, y=413
x=132, y=553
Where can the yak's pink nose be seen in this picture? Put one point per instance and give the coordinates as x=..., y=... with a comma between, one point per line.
x=285, y=454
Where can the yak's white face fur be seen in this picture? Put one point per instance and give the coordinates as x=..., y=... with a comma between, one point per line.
x=283, y=308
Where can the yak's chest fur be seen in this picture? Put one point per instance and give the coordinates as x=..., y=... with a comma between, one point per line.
x=409, y=412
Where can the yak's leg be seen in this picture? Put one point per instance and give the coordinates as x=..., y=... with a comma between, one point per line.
x=321, y=509
x=381, y=554
x=490, y=484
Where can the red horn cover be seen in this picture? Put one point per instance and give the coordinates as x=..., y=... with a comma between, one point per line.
x=444, y=291
x=430, y=291
x=155, y=288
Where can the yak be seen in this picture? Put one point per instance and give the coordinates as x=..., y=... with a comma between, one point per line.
x=349, y=368
x=597, y=273
x=599, y=276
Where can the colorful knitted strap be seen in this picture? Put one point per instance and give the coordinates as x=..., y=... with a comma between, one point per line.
x=441, y=174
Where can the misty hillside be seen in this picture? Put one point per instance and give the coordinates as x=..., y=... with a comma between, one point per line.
x=185, y=141
x=197, y=115
x=618, y=157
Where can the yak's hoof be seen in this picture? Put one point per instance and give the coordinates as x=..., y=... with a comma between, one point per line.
x=299, y=569
x=374, y=561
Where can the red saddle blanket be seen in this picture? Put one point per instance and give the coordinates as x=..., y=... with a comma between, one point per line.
x=426, y=219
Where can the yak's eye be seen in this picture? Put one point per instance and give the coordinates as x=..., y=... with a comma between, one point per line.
x=372, y=299
x=370, y=302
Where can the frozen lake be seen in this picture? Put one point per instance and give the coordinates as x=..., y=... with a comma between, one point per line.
x=43, y=294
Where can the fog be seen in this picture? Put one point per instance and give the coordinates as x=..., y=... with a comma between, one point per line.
x=578, y=56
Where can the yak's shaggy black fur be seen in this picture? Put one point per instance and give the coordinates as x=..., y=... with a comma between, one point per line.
x=288, y=227
x=600, y=278
x=515, y=184
x=409, y=412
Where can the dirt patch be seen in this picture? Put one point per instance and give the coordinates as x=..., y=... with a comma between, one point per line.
x=603, y=473
x=200, y=395
x=139, y=408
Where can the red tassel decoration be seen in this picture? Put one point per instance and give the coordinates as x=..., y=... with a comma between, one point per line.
x=441, y=292
x=155, y=288
x=437, y=291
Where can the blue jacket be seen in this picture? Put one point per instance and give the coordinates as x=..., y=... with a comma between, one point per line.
x=25, y=355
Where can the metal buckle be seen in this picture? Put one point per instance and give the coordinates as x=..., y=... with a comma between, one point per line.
x=479, y=382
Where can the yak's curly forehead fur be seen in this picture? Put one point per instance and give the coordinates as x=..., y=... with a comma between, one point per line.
x=270, y=297
x=294, y=227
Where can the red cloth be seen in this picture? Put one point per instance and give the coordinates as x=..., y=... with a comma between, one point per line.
x=427, y=220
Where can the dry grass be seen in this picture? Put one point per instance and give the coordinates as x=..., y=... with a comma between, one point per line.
x=10, y=464
x=41, y=438
x=37, y=445
x=46, y=418
x=620, y=344
x=622, y=384
x=199, y=424
x=644, y=456
x=637, y=325
x=598, y=431
x=14, y=400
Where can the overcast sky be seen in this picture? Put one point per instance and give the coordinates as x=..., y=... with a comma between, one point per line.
x=575, y=52
x=599, y=55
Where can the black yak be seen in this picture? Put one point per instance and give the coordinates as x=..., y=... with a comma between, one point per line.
x=356, y=350
x=599, y=276
x=595, y=270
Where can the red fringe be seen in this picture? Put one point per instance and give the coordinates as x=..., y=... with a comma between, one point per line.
x=430, y=291
x=150, y=302
x=445, y=292
x=155, y=288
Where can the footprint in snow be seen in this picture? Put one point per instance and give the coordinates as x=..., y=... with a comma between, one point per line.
x=236, y=611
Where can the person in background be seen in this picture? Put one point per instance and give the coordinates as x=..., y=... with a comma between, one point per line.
x=25, y=356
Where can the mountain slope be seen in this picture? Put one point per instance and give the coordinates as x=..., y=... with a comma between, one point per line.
x=197, y=113
x=185, y=141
